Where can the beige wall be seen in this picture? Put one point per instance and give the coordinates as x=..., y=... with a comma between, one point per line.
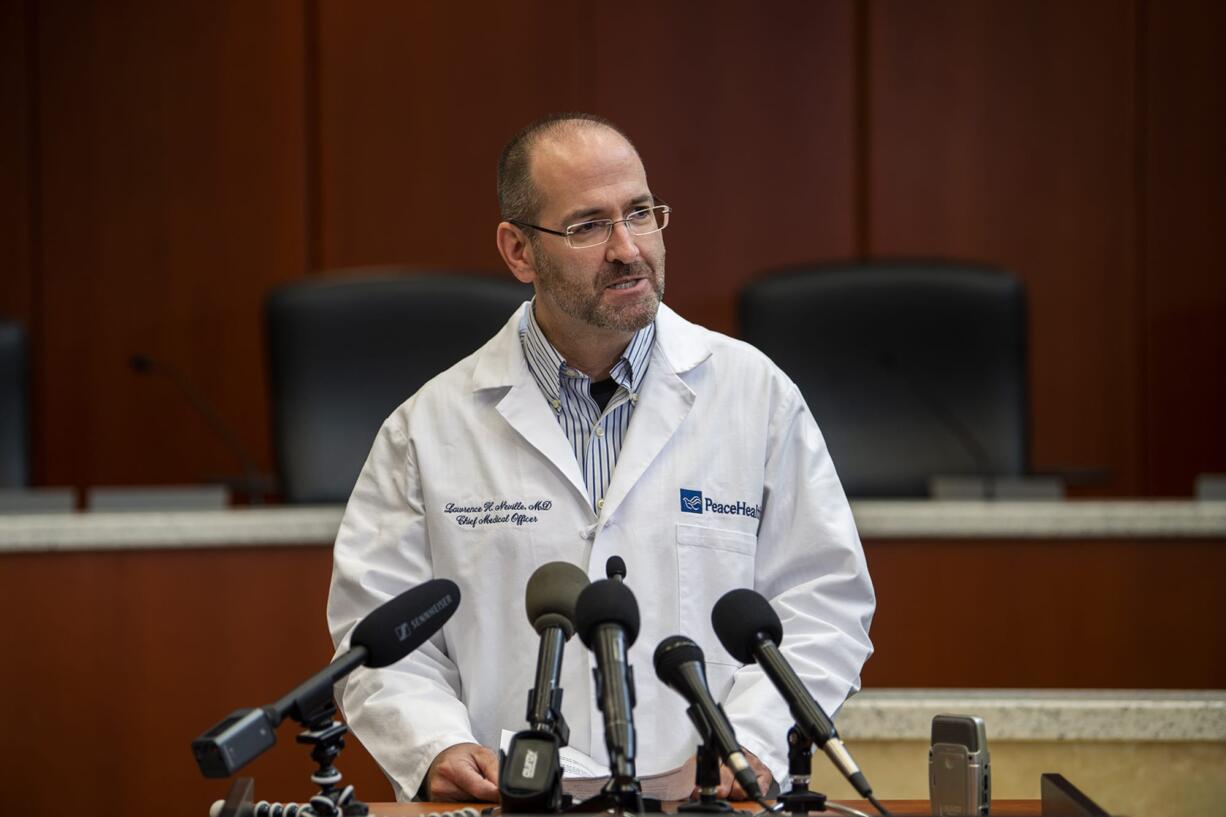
x=1123, y=778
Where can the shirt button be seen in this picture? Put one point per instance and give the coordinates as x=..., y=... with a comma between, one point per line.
x=634, y=398
x=600, y=504
x=557, y=405
x=571, y=373
x=599, y=431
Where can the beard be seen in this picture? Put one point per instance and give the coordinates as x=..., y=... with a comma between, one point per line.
x=586, y=302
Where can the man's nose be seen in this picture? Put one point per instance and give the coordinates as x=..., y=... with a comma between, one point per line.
x=621, y=245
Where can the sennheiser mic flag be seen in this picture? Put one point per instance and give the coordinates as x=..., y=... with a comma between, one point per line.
x=607, y=620
x=750, y=630
x=389, y=633
x=398, y=627
x=680, y=664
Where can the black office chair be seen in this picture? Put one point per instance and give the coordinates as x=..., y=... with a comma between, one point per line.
x=345, y=350
x=913, y=370
x=14, y=429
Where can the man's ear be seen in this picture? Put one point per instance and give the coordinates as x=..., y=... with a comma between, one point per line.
x=516, y=252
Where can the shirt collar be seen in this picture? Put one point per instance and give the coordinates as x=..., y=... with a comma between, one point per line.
x=548, y=367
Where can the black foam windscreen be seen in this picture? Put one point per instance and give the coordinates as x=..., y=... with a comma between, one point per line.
x=739, y=616
x=672, y=652
x=606, y=602
x=550, y=597
x=397, y=627
x=615, y=566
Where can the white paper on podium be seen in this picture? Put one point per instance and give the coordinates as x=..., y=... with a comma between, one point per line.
x=583, y=777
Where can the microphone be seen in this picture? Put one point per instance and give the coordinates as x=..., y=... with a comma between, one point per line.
x=615, y=568
x=530, y=770
x=681, y=665
x=387, y=634
x=252, y=483
x=607, y=620
x=750, y=630
x=550, y=602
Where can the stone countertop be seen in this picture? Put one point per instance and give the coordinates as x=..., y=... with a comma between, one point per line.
x=1040, y=715
x=135, y=530
x=876, y=519
x=1073, y=519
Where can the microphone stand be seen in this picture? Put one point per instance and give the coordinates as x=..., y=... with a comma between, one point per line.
x=327, y=738
x=801, y=799
x=530, y=771
x=621, y=795
x=706, y=777
x=706, y=770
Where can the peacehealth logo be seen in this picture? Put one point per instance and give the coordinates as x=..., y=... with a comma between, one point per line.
x=693, y=502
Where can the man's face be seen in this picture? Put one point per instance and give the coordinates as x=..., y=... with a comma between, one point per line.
x=592, y=174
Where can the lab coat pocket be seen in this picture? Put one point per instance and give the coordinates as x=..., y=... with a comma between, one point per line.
x=710, y=562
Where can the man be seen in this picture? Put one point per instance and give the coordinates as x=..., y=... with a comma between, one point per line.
x=596, y=423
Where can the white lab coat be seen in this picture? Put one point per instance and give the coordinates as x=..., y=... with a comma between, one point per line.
x=714, y=415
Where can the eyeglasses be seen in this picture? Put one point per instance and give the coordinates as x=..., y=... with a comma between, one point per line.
x=598, y=231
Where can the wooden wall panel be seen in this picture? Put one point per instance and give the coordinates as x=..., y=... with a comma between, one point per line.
x=415, y=102
x=172, y=190
x=743, y=121
x=117, y=660
x=1184, y=277
x=746, y=123
x=16, y=145
x=1073, y=614
x=142, y=652
x=168, y=164
x=1005, y=133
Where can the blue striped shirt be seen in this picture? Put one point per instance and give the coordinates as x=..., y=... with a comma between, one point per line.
x=596, y=436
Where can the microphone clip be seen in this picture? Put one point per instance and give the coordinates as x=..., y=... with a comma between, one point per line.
x=554, y=721
x=801, y=799
x=706, y=777
x=530, y=774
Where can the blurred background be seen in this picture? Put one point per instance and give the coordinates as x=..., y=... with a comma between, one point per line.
x=164, y=166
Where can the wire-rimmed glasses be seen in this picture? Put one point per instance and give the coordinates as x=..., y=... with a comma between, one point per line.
x=644, y=221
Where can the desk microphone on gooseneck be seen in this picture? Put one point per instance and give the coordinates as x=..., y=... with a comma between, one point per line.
x=252, y=483
x=947, y=419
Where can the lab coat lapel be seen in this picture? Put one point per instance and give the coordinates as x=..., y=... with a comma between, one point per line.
x=665, y=401
x=524, y=407
x=501, y=364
